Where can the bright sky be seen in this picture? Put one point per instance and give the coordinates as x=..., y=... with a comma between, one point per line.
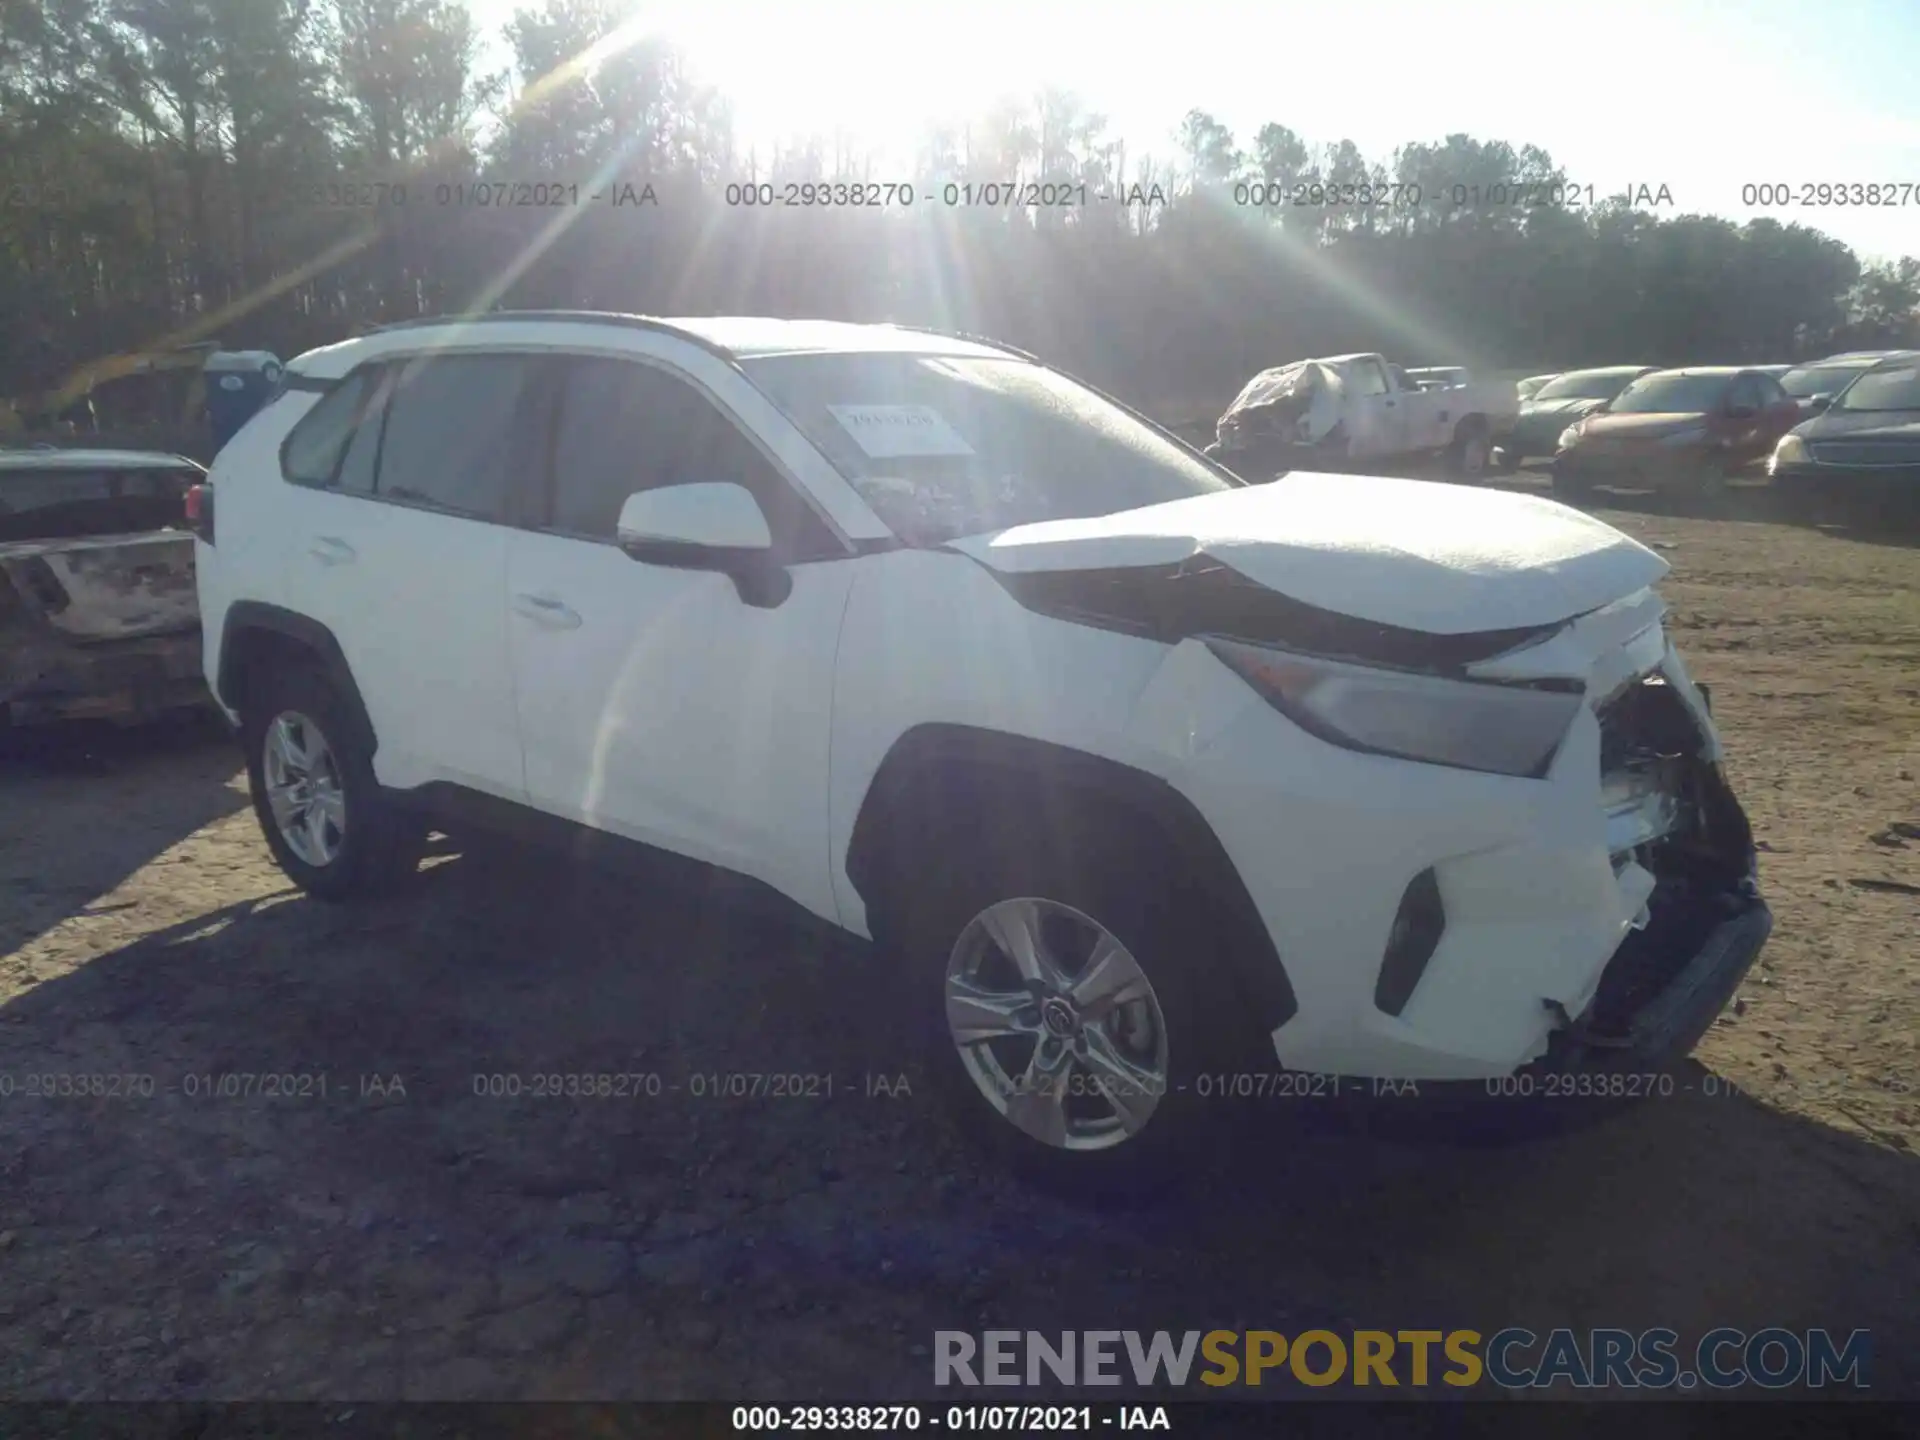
x=1703, y=96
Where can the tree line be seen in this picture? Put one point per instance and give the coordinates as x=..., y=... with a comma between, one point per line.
x=280, y=174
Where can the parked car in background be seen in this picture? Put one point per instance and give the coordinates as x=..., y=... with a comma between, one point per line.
x=1865, y=445
x=98, y=617
x=1557, y=404
x=1814, y=384
x=1527, y=388
x=1688, y=428
x=1136, y=773
x=1358, y=409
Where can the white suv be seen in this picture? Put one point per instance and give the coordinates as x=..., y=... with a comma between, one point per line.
x=1155, y=787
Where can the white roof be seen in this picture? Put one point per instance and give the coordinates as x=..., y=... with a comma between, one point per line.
x=745, y=337
x=57, y=459
x=748, y=336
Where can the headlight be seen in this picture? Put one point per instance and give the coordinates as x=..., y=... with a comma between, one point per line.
x=1791, y=450
x=1569, y=436
x=1505, y=729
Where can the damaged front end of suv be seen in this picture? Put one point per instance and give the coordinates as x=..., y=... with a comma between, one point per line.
x=1482, y=810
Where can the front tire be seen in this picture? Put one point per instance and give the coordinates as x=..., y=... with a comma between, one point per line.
x=1505, y=460
x=1569, y=484
x=1063, y=994
x=331, y=828
x=1469, y=455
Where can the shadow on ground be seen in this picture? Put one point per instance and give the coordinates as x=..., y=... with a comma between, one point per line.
x=84, y=791
x=414, y=1211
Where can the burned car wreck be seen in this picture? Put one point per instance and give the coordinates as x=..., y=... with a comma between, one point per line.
x=1283, y=414
x=98, y=613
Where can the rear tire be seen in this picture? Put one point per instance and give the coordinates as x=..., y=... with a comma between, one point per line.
x=1469, y=455
x=311, y=776
x=1088, y=894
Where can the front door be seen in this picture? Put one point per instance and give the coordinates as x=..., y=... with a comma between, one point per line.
x=655, y=702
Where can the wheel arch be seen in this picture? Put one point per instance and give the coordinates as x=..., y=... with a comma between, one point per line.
x=1474, y=422
x=986, y=778
x=257, y=636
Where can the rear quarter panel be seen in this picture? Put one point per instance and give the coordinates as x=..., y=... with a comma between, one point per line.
x=248, y=556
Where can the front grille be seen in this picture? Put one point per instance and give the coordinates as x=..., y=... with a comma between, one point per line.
x=1865, y=452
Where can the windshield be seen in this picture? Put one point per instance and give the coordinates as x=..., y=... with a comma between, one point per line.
x=944, y=446
x=67, y=504
x=1672, y=394
x=1894, y=388
x=1586, y=385
x=1811, y=380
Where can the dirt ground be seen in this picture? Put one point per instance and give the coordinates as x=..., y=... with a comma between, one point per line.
x=402, y=1236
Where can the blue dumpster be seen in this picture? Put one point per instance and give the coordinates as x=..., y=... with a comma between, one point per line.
x=238, y=383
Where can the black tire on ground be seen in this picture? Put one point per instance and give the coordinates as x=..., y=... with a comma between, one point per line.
x=381, y=842
x=1132, y=891
x=1709, y=481
x=1569, y=484
x=1471, y=450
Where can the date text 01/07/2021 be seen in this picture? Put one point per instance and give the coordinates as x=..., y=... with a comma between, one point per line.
x=895, y=1419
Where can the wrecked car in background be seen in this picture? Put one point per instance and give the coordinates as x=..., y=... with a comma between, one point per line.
x=98, y=616
x=1359, y=409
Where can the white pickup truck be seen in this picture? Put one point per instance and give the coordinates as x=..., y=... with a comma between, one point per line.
x=1361, y=410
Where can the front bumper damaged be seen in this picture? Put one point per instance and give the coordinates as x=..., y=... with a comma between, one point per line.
x=1661, y=993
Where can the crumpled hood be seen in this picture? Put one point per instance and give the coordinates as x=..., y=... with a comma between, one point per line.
x=1415, y=554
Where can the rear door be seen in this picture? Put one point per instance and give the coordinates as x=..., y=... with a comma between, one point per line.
x=401, y=487
x=1780, y=411
x=1748, y=426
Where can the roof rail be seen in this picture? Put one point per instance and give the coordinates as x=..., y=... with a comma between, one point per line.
x=587, y=317
x=970, y=339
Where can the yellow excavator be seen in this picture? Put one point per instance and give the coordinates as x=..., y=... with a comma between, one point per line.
x=140, y=387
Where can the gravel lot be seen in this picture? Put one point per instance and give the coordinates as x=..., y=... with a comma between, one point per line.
x=404, y=1237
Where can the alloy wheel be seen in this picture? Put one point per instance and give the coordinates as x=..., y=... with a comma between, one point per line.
x=304, y=790
x=1057, y=1025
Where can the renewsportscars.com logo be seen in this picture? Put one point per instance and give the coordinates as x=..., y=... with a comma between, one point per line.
x=1513, y=1359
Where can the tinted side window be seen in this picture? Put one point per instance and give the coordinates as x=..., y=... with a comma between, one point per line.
x=626, y=427
x=357, y=472
x=460, y=430
x=1770, y=391
x=67, y=504
x=1369, y=378
x=1744, y=393
x=311, y=452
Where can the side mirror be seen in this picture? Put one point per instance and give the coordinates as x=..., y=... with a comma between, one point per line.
x=1819, y=402
x=713, y=526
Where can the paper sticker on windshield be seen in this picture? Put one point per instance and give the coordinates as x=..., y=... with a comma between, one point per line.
x=887, y=432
